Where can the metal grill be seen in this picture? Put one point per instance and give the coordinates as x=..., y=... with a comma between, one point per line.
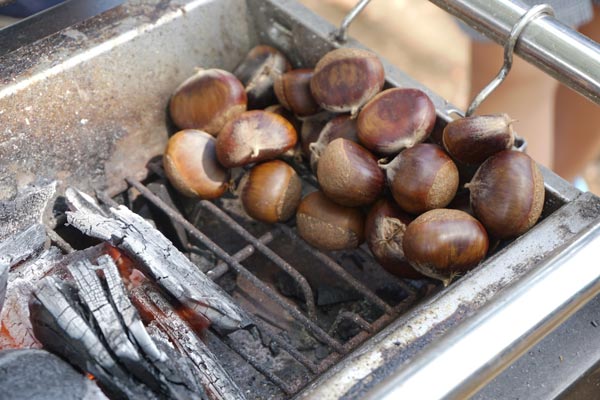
x=308, y=318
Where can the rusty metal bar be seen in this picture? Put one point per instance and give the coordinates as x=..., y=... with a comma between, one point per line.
x=292, y=310
x=267, y=252
x=222, y=267
x=339, y=270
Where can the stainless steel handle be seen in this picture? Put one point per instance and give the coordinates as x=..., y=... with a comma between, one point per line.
x=560, y=51
x=467, y=358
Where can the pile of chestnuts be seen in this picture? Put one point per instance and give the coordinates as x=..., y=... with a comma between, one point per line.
x=381, y=179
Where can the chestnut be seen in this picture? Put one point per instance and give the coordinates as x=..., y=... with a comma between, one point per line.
x=292, y=89
x=384, y=231
x=507, y=194
x=258, y=71
x=271, y=192
x=342, y=126
x=345, y=79
x=472, y=140
x=443, y=243
x=327, y=225
x=348, y=174
x=422, y=178
x=190, y=163
x=254, y=136
x=207, y=100
x=396, y=119
x=311, y=129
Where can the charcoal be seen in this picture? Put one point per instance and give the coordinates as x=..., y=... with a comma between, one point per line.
x=26, y=208
x=328, y=295
x=59, y=323
x=29, y=374
x=157, y=258
x=214, y=379
x=127, y=311
x=17, y=248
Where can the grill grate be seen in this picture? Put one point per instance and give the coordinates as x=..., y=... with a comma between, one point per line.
x=309, y=319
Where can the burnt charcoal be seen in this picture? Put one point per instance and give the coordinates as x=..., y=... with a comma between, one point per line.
x=17, y=248
x=288, y=286
x=59, y=323
x=328, y=295
x=157, y=258
x=39, y=375
x=321, y=352
x=214, y=379
x=17, y=331
x=26, y=208
x=127, y=311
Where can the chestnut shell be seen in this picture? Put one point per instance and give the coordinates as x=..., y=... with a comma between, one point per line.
x=384, y=232
x=348, y=174
x=346, y=78
x=207, y=100
x=507, y=194
x=271, y=192
x=327, y=225
x=396, y=119
x=442, y=243
x=422, y=178
x=254, y=136
x=342, y=126
x=293, y=92
x=190, y=163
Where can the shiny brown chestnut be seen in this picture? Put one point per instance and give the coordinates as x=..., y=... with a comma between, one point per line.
x=191, y=165
x=271, y=192
x=258, y=71
x=422, y=178
x=349, y=175
x=472, y=140
x=207, y=100
x=396, y=119
x=254, y=136
x=342, y=126
x=443, y=243
x=345, y=79
x=327, y=225
x=292, y=89
x=507, y=194
x=384, y=232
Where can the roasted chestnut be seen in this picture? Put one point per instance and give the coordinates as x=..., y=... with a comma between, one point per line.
x=254, y=136
x=384, y=231
x=443, y=243
x=507, y=194
x=472, y=140
x=258, y=71
x=422, y=178
x=271, y=192
x=342, y=126
x=348, y=174
x=292, y=89
x=207, y=100
x=191, y=165
x=396, y=119
x=327, y=225
x=345, y=79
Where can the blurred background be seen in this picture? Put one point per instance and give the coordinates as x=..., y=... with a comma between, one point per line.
x=422, y=40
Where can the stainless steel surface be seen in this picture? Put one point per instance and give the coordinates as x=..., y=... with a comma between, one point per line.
x=341, y=34
x=565, y=54
x=509, y=47
x=464, y=360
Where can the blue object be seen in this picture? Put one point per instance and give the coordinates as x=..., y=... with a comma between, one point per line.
x=25, y=8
